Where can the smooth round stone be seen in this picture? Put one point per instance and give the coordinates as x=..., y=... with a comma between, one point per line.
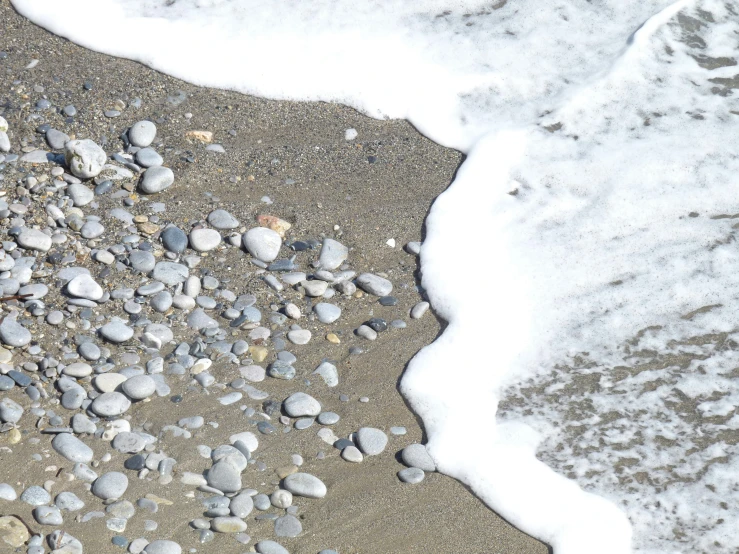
x=35, y=496
x=241, y=505
x=224, y=476
x=78, y=370
x=36, y=291
x=374, y=284
x=108, y=382
x=163, y=547
x=110, y=485
x=80, y=194
x=92, y=230
x=204, y=240
x=139, y=387
x=329, y=373
x=411, y=475
x=416, y=455
x=371, y=441
x=68, y=502
x=183, y=302
x=299, y=336
x=156, y=179
x=7, y=492
x=142, y=133
x=148, y=157
x=84, y=158
x=55, y=317
x=206, y=302
x=352, y=454
x=398, y=430
x=33, y=239
x=171, y=273
x=174, y=239
x=6, y=383
x=288, y=526
x=48, y=515
x=388, y=301
x=253, y=373
x=419, y=309
x=226, y=524
x=142, y=261
x=84, y=286
x=328, y=418
x=110, y=404
x=129, y=443
x=10, y=411
x=270, y=547
x=73, y=398
x=160, y=331
x=314, y=288
x=327, y=313
x=150, y=288
x=301, y=404
x=221, y=219
x=305, y=484
x=116, y=331
x=333, y=254
x=89, y=351
x=56, y=139
x=262, y=243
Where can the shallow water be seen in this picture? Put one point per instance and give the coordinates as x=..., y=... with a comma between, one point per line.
x=599, y=193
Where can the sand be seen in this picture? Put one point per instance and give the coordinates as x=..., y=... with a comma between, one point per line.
x=363, y=192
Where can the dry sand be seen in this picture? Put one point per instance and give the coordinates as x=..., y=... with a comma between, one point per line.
x=332, y=182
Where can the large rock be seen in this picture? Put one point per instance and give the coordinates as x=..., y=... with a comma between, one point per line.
x=84, y=158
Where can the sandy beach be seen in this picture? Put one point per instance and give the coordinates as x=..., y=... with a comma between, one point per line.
x=364, y=192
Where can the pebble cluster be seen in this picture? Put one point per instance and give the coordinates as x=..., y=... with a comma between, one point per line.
x=102, y=314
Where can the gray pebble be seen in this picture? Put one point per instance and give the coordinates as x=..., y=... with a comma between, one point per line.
x=419, y=309
x=139, y=387
x=142, y=133
x=174, y=239
x=33, y=239
x=366, y=332
x=48, y=515
x=56, y=139
x=411, y=475
x=170, y=273
x=204, y=240
x=116, y=331
x=305, y=484
x=221, y=219
x=262, y=243
x=35, y=496
x=288, y=526
x=80, y=194
x=142, y=261
x=262, y=502
x=163, y=547
x=371, y=441
x=10, y=411
x=68, y=502
x=327, y=313
x=270, y=547
x=84, y=158
x=416, y=455
x=224, y=476
x=110, y=404
x=148, y=157
x=241, y=505
x=110, y=485
x=156, y=179
x=374, y=284
x=352, y=454
x=301, y=404
x=328, y=418
x=333, y=254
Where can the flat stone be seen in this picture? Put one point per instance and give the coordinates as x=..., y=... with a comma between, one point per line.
x=163, y=547
x=139, y=387
x=224, y=476
x=174, y=239
x=78, y=370
x=142, y=261
x=204, y=240
x=13, y=333
x=281, y=370
x=371, y=441
x=80, y=194
x=226, y=524
x=333, y=254
x=10, y=411
x=299, y=336
x=14, y=533
x=411, y=475
x=416, y=455
x=264, y=244
x=48, y=515
x=301, y=404
x=241, y=505
x=33, y=239
x=305, y=484
x=419, y=309
x=315, y=287
x=84, y=286
x=374, y=284
x=327, y=313
x=171, y=273
x=35, y=496
x=221, y=219
x=288, y=526
x=329, y=373
x=68, y=502
x=270, y=547
x=7, y=492
x=352, y=454
x=110, y=404
x=148, y=157
x=116, y=331
x=56, y=139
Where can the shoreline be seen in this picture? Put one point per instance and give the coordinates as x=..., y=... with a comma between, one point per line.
x=374, y=188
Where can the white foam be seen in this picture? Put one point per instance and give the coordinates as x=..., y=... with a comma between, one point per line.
x=600, y=139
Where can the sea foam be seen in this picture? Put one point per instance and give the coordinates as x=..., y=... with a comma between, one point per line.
x=586, y=387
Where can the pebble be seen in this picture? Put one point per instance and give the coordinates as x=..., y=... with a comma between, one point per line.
x=84, y=158
x=35, y=496
x=204, y=240
x=156, y=179
x=305, y=484
x=84, y=286
x=419, y=309
x=262, y=502
x=110, y=485
x=241, y=505
x=299, y=336
x=411, y=475
x=142, y=133
x=282, y=499
x=148, y=157
x=7, y=492
x=174, y=239
x=80, y=194
x=270, y=547
x=116, y=331
x=221, y=219
x=288, y=526
x=264, y=244
x=314, y=288
x=139, y=387
x=327, y=313
x=48, y=515
x=333, y=254
x=301, y=404
x=142, y=261
x=329, y=373
x=110, y=404
x=226, y=524
x=10, y=411
x=56, y=139
x=371, y=441
x=68, y=502
x=224, y=476
x=374, y=284
x=13, y=531
x=366, y=332
x=163, y=547
x=416, y=455
x=352, y=454
x=281, y=370
x=33, y=239
x=170, y=273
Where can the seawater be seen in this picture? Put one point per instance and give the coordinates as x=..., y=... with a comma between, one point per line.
x=586, y=385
